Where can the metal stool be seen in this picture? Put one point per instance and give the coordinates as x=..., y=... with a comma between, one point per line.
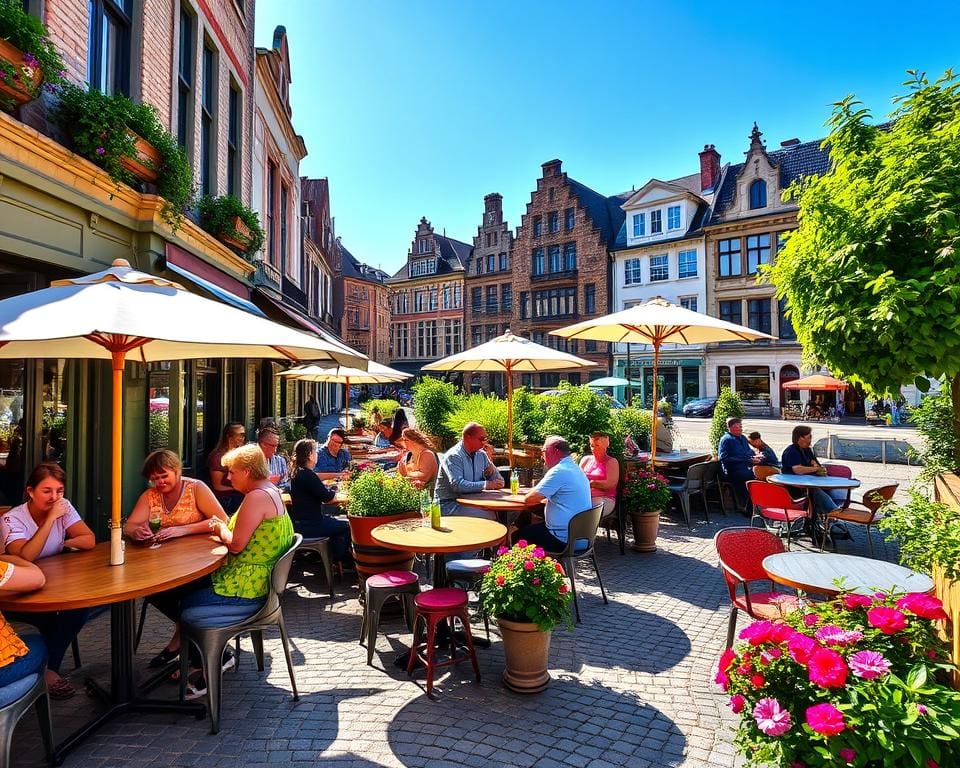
x=322, y=547
x=431, y=608
x=380, y=587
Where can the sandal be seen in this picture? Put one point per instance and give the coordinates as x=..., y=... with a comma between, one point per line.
x=163, y=658
x=61, y=689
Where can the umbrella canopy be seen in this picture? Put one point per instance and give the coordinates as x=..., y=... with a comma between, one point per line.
x=341, y=374
x=659, y=322
x=817, y=381
x=613, y=381
x=509, y=354
x=118, y=311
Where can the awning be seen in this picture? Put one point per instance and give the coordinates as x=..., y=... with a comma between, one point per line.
x=219, y=285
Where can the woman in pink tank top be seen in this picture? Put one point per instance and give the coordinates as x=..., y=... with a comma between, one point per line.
x=603, y=472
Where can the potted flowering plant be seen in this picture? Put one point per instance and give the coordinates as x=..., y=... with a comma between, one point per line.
x=858, y=681
x=231, y=222
x=527, y=592
x=645, y=496
x=28, y=59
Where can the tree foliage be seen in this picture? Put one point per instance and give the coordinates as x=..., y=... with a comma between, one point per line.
x=872, y=273
x=934, y=421
x=433, y=402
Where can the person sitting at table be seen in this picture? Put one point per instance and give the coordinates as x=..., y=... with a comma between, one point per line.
x=23, y=656
x=375, y=417
x=737, y=459
x=400, y=423
x=308, y=494
x=664, y=435
x=233, y=436
x=257, y=535
x=466, y=468
x=768, y=456
x=602, y=471
x=419, y=463
x=268, y=438
x=566, y=490
x=382, y=439
x=184, y=505
x=332, y=457
x=798, y=458
x=43, y=526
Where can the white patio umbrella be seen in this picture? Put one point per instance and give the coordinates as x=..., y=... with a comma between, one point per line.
x=659, y=322
x=119, y=311
x=341, y=374
x=509, y=354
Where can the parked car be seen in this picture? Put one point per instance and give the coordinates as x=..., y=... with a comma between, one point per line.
x=703, y=406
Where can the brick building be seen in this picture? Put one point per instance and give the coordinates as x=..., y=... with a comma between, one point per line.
x=488, y=290
x=365, y=295
x=560, y=267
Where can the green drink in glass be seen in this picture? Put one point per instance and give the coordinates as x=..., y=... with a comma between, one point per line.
x=155, y=524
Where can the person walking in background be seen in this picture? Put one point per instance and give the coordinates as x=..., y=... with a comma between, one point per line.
x=311, y=417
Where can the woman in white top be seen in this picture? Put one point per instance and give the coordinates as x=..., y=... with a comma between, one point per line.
x=40, y=527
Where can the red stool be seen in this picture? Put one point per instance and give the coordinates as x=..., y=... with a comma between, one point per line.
x=432, y=607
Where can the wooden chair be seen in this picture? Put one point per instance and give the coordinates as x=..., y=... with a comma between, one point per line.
x=773, y=502
x=762, y=471
x=865, y=513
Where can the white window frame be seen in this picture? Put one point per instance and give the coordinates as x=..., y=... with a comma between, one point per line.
x=656, y=222
x=680, y=264
x=633, y=271
x=657, y=262
x=674, y=214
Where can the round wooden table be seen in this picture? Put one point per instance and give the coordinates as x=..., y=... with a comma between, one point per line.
x=86, y=580
x=816, y=571
x=501, y=502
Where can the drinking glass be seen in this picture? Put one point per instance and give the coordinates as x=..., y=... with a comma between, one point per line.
x=154, y=523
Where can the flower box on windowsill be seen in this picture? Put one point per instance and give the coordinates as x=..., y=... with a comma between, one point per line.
x=144, y=163
x=22, y=87
x=239, y=237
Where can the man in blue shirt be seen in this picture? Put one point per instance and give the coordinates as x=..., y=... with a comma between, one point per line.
x=269, y=441
x=566, y=490
x=466, y=468
x=737, y=459
x=332, y=458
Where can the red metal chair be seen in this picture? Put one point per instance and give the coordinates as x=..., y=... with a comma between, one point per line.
x=741, y=552
x=865, y=513
x=773, y=502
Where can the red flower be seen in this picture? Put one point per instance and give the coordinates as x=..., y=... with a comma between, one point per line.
x=800, y=647
x=726, y=659
x=887, y=620
x=528, y=565
x=500, y=580
x=758, y=680
x=564, y=589
x=536, y=582
x=924, y=606
x=758, y=633
x=857, y=601
x=558, y=568
x=827, y=668
x=811, y=619
x=737, y=703
x=825, y=719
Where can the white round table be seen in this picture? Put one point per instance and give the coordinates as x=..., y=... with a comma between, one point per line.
x=816, y=571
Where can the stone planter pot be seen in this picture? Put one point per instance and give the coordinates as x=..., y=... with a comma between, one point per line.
x=145, y=161
x=527, y=651
x=370, y=558
x=239, y=237
x=19, y=91
x=645, y=528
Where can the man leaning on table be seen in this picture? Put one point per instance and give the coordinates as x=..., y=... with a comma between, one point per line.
x=466, y=468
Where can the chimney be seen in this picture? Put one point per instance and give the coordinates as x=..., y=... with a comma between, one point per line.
x=551, y=168
x=789, y=143
x=709, y=167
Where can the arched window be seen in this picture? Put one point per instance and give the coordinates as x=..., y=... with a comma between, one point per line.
x=758, y=194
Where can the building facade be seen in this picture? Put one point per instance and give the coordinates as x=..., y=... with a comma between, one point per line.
x=488, y=287
x=365, y=324
x=427, y=293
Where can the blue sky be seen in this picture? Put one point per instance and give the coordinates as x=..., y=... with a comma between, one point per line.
x=421, y=107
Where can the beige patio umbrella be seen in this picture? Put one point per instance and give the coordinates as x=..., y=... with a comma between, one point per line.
x=509, y=354
x=658, y=322
x=341, y=374
x=120, y=311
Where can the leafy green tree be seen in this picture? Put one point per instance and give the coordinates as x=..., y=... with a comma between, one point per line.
x=728, y=404
x=433, y=401
x=872, y=273
x=529, y=413
x=934, y=420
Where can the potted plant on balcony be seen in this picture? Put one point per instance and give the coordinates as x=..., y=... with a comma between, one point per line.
x=231, y=222
x=526, y=591
x=128, y=142
x=28, y=59
x=645, y=496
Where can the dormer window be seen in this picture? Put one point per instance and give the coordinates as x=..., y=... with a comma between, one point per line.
x=424, y=246
x=656, y=222
x=639, y=225
x=673, y=217
x=758, y=194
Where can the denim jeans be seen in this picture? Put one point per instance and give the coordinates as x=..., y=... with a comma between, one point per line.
x=20, y=667
x=58, y=629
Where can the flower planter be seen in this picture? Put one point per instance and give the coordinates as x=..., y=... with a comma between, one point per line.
x=24, y=87
x=645, y=528
x=527, y=651
x=239, y=237
x=144, y=162
x=948, y=591
x=370, y=558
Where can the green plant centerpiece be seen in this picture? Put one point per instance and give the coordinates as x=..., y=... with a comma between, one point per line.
x=385, y=406
x=28, y=58
x=526, y=590
x=228, y=219
x=99, y=128
x=645, y=496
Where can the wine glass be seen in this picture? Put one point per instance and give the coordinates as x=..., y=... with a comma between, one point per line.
x=155, y=523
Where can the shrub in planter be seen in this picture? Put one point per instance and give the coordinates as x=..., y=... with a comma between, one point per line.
x=28, y=58
x=728, y=404
x=219, y=216
x=928, y=533
x=386, y=407
x=488, y=410
x=529, y=415
x=433, y=401
x=373, y=493
x=633, y=422
x=576, y=413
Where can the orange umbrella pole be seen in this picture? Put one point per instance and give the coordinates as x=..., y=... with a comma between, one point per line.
x=116, y=540
x=510, y=419
x=346, y=404
x=653, y=428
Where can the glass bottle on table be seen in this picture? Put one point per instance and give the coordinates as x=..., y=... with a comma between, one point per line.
x=514, y=482
x=426, y=508
x=435, y=513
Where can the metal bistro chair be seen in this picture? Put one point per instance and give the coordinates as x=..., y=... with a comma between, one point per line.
x=321, y=547
x=711, y=482
x=692, y=484
x=865, y=513
x=618, y=518
x=581, y=528
x=211, y=637
x=839, y=470
x=32, y=688
x=773, y=502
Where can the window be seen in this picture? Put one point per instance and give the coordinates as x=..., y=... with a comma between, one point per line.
x=476, y=299
x=491, y=299
x=569, y=256
x=758, y=194
x=786, y=331
x=208, y=153
x=689, y=302
x=673, y=217
x=503, y=262
x=476, y=332
x=271, y=211
x=491, y=262
x=524, y=305
x=283, y=229
x=758, y=252
x=553, y=254
x=753, y=382
x=451, y=337
x=539, y=267
x=656, y=225
x=401, y=345
x=728, y=254
x=433, y=299
x=479, y=265
x=422, y=267
x=108, y=45
x=492, y=332
x=537, y=226
x=589, y=346
x=554, y=221
x=723, y=377
x=456, y=295
x=446, y=296
x=731, y=311
x=659, y=268
x=506, y=297
x=418, y=301
x=556, y=302
x=569, y=219
x=687, y=264
x=184, y=79
x=758, y=315
x=590, y=299
x=233, y=141
x=639, y=222
x=782, y=240
x=632, y=272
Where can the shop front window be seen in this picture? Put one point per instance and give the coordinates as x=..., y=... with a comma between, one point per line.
x=753, y=382
x=723, y=377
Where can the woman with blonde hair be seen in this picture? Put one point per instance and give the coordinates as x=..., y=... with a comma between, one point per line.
x=420, y=463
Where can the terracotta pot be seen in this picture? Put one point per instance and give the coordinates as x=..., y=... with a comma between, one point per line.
x=145, y=161
x=370, y=558
x=239, y=237
x=527, y=651
x=20, y=91
x=645, y=528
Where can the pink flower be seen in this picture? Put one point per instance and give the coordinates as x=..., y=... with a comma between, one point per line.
x=857, y=601
x=924, y=606
x=800, y=647
x=931, y=763
x=528, y=565
x=827, y=668
x=502, y=551
x=771, y=718
x=887, y=620
x=848, y=755
x=811, y=619
x=536, y=582
x=770, y=654
x=869, y=664
x=522, y=543
x=834, y=635
x=781, y=633
x=722, y=679
x=757, y=633
x=726, y=659
x=737, y=702
x=825, y=719
x=539, y=553
x=921, y=710
x=758, y=680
